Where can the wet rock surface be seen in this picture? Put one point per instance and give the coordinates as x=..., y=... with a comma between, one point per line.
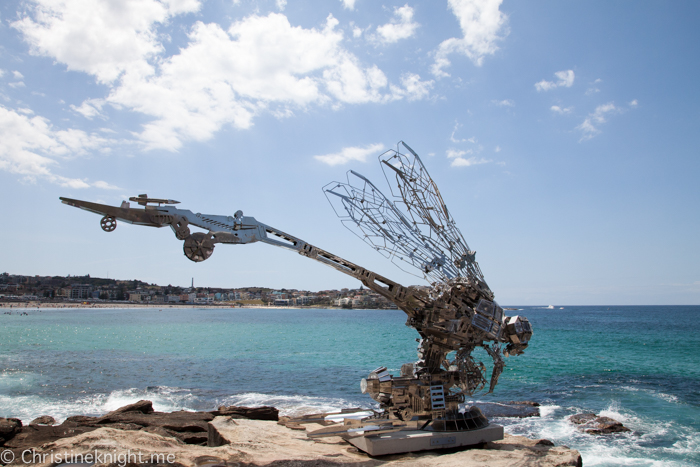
x=510, y=409
x=43, y=420
x=595, y=425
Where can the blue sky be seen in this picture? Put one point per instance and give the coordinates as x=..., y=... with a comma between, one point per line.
x=563, y=135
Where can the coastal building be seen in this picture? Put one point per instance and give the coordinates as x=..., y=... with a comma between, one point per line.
x=305, y=300
x=80, y=291
x=135, y=296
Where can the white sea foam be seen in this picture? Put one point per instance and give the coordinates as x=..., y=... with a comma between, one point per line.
x=293, y=406
x=165, y=399
x=27, y=408
x=657, y=394
x=637, y=448
x=641, y=447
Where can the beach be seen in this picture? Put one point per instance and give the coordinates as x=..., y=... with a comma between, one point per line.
x=129, y=305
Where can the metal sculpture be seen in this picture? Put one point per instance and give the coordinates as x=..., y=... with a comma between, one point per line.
x=453, y=316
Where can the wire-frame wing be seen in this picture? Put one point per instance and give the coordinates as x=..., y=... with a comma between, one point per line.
x=417, y=230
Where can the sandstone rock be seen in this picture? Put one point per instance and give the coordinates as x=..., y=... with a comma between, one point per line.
x=43, y=420
x=141, y=406
x=265, y=443
x=33, y=436
x=81, y=420
x=582, y=418
x=185, y=427
x=604, y=426
x=159, y=431
x=252, y=413
x=137, y=429
x=176, y=421
x=9, y=427
x=595, y=425
x=530, y=403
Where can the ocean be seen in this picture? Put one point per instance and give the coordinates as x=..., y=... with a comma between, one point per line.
x=637, y=364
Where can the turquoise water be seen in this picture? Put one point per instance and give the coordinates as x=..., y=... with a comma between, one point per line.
x=640, y=365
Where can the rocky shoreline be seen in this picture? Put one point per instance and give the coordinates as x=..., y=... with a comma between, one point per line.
x=136, y=435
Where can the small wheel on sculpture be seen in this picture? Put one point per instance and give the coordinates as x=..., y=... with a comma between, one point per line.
x=108, y=223
x=198, y=247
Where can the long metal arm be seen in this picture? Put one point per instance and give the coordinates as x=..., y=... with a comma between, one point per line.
x=239, y=229
x=383, y=286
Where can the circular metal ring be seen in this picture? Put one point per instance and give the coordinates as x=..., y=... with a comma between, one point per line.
x=108, y=223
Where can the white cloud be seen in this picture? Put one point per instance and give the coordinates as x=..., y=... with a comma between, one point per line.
x=356, y=32
x=350, y=154
x=458, y=140
x=220, y=77
x=18, y=84
x=348, y=4
x=504, y=103
x=590, y=125
x=458, y=155
x=17, y=75
x=401, y=26
x=101, y=37
x=105, y=186
x=634, y=103
x=453, y=153
x=545, y=85
x=413, y=88
x=561, y=110
x=31, y=147
x=481, y=22
x=497, y=149
x=89, y=108
x=2, y=73
x=281, y=4
x=565, y=79
x=228, y=77
x=462, y=162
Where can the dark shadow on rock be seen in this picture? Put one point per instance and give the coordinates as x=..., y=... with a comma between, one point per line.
x=252, y=413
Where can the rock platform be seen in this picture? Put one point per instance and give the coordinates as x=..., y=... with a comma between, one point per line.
x=136, y=435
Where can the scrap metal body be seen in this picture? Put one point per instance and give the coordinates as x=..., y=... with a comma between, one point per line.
x=453, y=316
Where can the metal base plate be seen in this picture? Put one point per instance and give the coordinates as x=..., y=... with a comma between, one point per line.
x=417, y=440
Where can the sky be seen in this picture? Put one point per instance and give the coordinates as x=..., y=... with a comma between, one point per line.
x=564, y=136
